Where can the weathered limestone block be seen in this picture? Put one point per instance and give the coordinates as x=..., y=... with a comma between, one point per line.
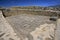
x=44, y=32
x=6, y=31
x=57, y=32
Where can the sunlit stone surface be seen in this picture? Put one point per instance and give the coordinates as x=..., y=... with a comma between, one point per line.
x=32, y=27
x=27, y=27
x=44, y=32
x=6, y=31
x=57, y=33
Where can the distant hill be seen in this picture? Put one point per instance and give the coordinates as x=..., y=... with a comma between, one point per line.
x=26, y=7
x=55, y=6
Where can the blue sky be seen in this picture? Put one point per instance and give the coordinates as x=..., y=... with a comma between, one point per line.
x=7, y=3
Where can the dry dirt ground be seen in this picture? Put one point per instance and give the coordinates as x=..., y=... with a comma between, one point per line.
x=33, y=27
